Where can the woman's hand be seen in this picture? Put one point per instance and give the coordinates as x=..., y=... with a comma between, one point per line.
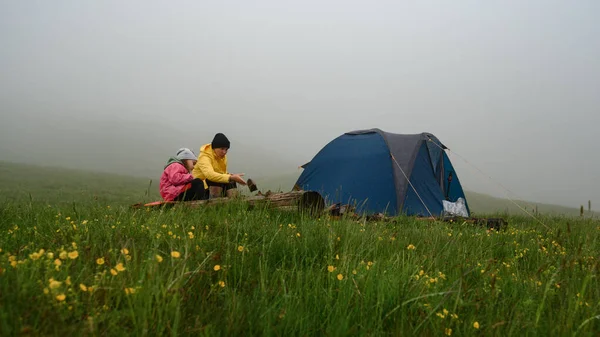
x=237, y=178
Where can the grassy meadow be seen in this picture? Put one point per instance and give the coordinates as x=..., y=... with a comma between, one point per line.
x=76, y=260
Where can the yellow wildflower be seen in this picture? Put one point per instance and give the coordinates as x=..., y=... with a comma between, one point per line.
x=113, y=272
x=240, y=248
x=50, y=255
x=125, y=251
x=129, y=291
x=340, y=277
x=476, y=325
x=54, y=284
x=222, y=284
x=61, y=297
x=190, y=235
x=68, y=281
x=354, y=272
x=175, y=254
x=217, y=267
x=73, y=255
x=57, y=262
x=448, y=332
x=120, y=267
x=330, y=269
x=83, y=287
x=159, y=258
x=411, y=247
x=63, y=255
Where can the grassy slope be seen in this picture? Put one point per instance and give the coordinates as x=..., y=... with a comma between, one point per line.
x=278, y=273
x=229, y=271
x=20, y=182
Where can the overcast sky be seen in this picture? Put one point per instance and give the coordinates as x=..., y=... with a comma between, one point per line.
x=512, y=86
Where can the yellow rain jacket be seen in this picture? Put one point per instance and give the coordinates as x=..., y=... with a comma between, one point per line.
x=210, y=167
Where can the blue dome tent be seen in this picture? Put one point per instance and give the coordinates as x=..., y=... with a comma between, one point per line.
x=382, y=172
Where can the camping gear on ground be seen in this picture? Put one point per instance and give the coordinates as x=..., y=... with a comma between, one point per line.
x=458, y=208
x=382, y=172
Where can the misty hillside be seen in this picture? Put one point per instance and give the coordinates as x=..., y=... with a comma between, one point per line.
x=20, y=182
x=137, y=148
x=24, y=182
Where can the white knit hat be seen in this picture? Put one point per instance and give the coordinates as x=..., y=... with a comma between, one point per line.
x=185, y=153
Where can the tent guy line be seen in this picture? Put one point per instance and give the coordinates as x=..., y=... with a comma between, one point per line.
x=506, y=190
x=411, y=185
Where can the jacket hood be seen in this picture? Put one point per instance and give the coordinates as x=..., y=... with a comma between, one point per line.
x=173, y=160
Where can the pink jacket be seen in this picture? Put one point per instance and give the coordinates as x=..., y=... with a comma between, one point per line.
x=173, y=181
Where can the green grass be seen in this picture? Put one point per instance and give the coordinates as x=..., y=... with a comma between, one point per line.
x=274, y=276
x=24, y=183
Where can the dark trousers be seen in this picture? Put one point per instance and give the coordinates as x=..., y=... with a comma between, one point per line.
x=196, y=191
x=224, y=186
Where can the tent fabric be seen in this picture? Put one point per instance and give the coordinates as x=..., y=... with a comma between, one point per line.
x=428, y=189
x=369, y=168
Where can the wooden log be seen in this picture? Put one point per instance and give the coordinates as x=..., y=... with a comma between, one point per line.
x=304, y=201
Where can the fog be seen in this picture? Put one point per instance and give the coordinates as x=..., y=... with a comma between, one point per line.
x=511, y=86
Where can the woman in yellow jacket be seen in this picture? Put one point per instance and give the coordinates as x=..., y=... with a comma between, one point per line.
x=212, y=168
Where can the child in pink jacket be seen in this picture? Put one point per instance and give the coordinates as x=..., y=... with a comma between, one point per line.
x=176, y=182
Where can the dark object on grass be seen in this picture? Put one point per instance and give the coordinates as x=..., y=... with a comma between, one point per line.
x=338, y=209
x=493, y=223
x=490, y=223
x=251, y=185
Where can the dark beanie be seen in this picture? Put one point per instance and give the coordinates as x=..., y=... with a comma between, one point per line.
x=220, y=141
